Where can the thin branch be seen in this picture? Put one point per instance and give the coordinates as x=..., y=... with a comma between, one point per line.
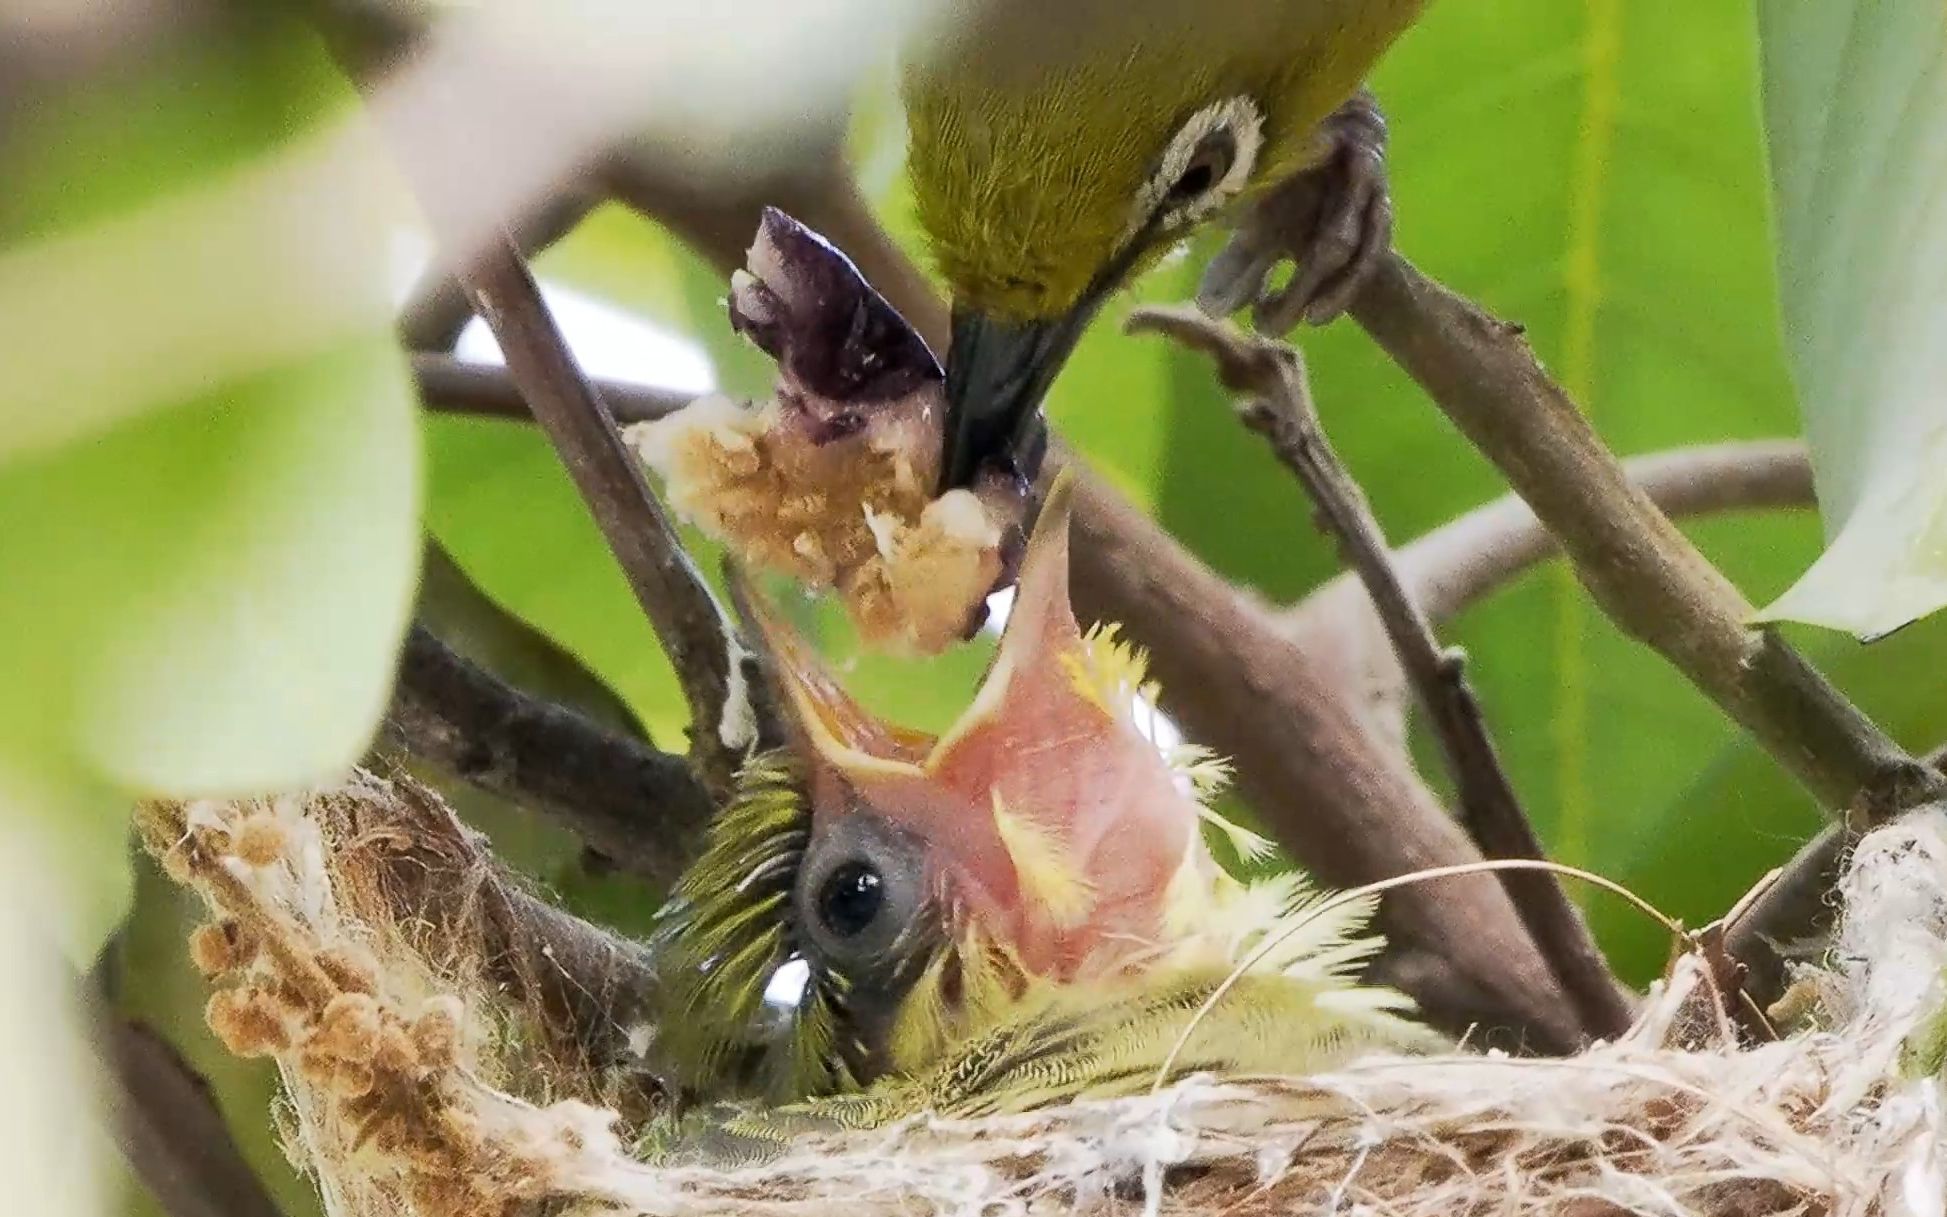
x=164, y=1118
x=485, y=390
x=460, y=612
x=699, y=639
x=436, y=311
x=1281, y=409
x=1467, y=559
x=1788, y=906
x=1643, y=572
x=644, y=810
x=1464, y=560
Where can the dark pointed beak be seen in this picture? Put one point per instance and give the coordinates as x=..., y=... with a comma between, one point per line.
x=997, y=372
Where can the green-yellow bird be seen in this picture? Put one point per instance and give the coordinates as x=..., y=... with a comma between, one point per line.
x=1058, y=147
x=1021, y=911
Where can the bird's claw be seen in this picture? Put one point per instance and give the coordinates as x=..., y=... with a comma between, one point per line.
x=1334, y=220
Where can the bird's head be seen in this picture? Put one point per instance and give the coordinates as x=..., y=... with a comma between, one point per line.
x=929, y=883
x=1053, y=160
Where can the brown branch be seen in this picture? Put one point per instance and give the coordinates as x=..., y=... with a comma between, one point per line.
x=642, y=809
x=1788, y=906
x=436, y=311
x=1344, y=800
x=1467, y=559
x=485, y=390
x=1462, y=561
x=164, y=1118
x=460, y=612
x=702, y=644
x=1280, y=407
x=1643, y=572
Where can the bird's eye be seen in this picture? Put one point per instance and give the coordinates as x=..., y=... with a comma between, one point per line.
x=1208, y=165
x=851, y=898
x=860, y=897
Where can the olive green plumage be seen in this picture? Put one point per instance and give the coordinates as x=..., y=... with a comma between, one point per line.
x=974, y=1034
x=1036, y=125
x=1021, y=911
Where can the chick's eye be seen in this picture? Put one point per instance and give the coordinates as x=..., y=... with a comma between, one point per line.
x=860, y=896
x=850, y=899
x=1208, y=165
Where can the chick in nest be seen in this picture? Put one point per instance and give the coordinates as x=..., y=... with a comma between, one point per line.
x=835, y=479
x=1021, y=912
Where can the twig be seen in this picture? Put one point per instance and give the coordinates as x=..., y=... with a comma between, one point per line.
x=1793, y=903
x=1643, y=572
x=461, y=613
x=456, y=386
x=1281, y=409
x=1461, y=561
x=699, y=639
x=701, y=644
x=1469, y=558
x=436, y=311
x=1789, y=905
x=165, y=1120
x=638, y=807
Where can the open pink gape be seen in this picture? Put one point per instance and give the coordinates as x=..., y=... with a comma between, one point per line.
x=1048, y=819
x=835, y=479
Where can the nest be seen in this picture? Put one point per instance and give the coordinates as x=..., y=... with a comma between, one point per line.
x=452, y=1044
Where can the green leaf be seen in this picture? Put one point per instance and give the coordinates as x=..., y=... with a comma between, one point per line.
x=206, y=596
x=216, y=590
x=503, y=507
x=1856, y=113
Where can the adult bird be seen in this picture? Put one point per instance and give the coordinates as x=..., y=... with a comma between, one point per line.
x=1058, y=147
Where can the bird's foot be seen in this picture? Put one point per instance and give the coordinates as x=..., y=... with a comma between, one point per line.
x=1334, y=220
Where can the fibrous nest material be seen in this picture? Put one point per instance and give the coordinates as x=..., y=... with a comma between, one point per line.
x=451, y=1044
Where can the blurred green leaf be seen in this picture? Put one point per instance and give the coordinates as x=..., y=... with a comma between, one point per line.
x=204, y=599
x=503, y=507
x=211, y=596
x=1856, y=111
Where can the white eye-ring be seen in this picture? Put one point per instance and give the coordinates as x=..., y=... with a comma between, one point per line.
x=1207, y=162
